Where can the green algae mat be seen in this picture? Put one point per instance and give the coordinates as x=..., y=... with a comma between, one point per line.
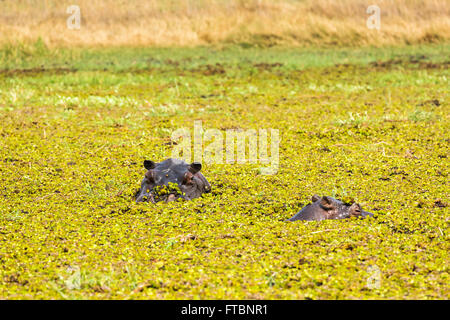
x=371, y=125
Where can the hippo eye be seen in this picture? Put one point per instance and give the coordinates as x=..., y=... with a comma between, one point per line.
x=355, y=209
x=187, y=179
x=150, y=175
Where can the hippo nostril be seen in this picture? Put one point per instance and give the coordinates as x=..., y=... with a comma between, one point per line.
x=171, y=197
x=151, y=198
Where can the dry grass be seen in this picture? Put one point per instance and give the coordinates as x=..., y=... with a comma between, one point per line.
x=202, y=22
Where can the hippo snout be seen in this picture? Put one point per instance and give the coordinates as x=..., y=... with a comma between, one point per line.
x=147, y=197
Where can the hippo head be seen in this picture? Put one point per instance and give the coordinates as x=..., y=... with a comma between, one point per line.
x=329, y=208
x=172, y=179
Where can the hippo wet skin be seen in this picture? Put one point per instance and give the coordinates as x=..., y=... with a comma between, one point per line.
x=172, y=179
x=325, y=207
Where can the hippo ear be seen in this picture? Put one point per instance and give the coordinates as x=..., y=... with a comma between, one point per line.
x=149, y=164
x=315, y=198
x=195, y=167
x=326, y=202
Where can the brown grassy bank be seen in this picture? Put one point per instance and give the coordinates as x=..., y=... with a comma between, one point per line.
x=202, y=22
